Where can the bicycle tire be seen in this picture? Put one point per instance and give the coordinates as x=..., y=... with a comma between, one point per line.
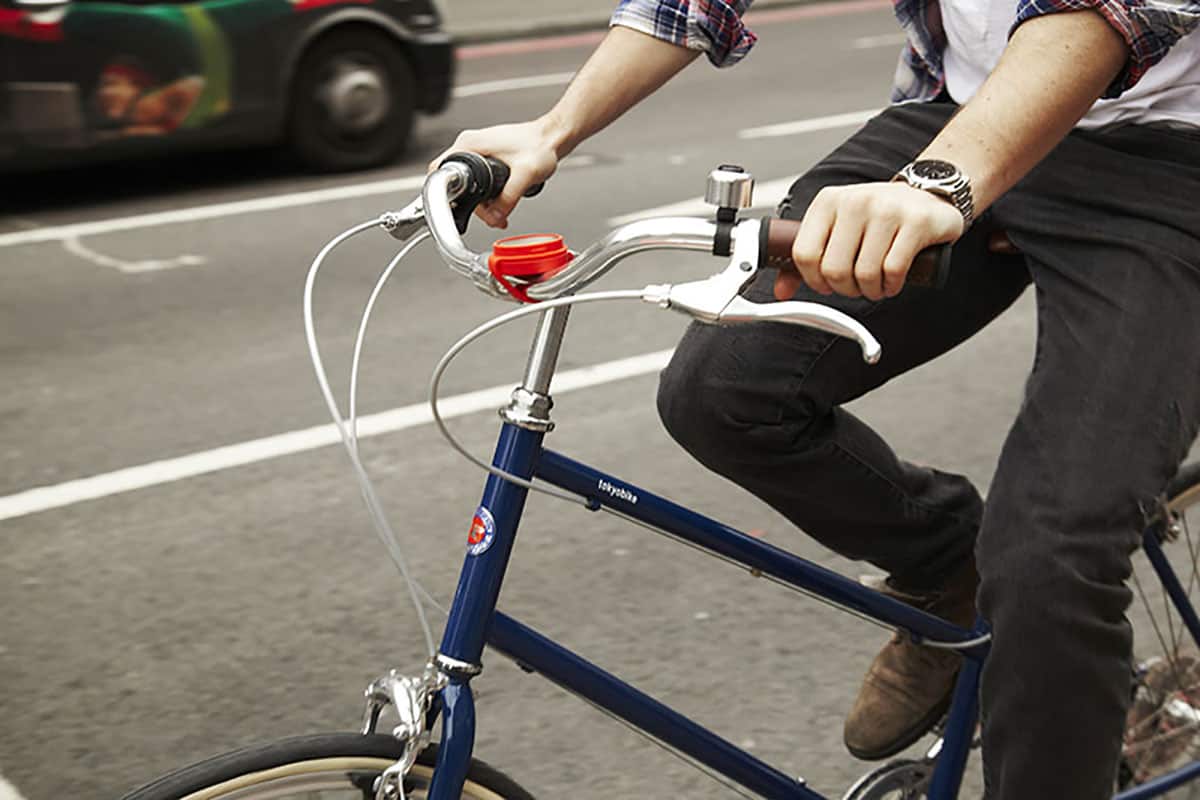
x=1163, y=727
x=327, y=763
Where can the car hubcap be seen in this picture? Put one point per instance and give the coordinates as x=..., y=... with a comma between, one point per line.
x=354, y=96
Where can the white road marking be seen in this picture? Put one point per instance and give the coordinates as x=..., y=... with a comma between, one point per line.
x=767, y=194
x=512, y=84
x=255, y=205
x=45, y=498
x=883, y=40
x=258, y=204
x=8, y=791
x=75, y=247
x=809, y=125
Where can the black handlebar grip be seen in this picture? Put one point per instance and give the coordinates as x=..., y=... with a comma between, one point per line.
x=930, y=269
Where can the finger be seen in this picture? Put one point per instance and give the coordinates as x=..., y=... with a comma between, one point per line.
x=810, y=241
x=437, y=162
x=787, y=283
x=899, y=260
x=841, y=252
x=490, y=215
x=868, y=267
x=519, y=180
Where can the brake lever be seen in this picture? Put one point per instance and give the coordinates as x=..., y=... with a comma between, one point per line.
x=812, y=315
x=718, y=299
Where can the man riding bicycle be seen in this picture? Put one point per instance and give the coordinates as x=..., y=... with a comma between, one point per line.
x=1055, y=142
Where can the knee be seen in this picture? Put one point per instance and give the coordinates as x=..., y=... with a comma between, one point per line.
x=716, y=403
x=694, y=409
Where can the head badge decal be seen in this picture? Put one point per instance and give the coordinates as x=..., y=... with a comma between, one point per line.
x=483, y=532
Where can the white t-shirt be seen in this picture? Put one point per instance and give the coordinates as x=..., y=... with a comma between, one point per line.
x=977, y=31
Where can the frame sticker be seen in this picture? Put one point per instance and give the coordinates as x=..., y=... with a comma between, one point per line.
x=482, y=533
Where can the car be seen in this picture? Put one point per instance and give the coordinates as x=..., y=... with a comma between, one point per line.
x=338, y=81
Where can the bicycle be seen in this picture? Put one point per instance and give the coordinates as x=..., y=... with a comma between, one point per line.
x=1162, y=744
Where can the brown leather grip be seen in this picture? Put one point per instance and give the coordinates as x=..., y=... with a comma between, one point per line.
x=931, y=267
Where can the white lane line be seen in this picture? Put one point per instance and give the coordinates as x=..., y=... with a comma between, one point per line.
x=75, y=247
x=45, y=498
x=8, y=791
x=194, y=213
x=809, y=125
x=883, y=40
x=512, y=84
x=767, y=194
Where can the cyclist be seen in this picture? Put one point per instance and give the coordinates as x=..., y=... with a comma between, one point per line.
x=1067, y=130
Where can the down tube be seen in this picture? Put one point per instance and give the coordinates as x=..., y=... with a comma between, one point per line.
x=580, y=677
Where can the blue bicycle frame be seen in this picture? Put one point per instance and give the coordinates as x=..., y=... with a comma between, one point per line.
x=474, y=623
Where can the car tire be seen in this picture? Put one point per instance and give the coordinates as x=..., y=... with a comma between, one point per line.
x=351, y=103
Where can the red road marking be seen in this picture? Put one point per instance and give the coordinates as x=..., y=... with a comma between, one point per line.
x=530, y=45
x=759, y=18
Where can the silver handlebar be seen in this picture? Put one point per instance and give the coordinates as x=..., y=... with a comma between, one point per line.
x=447, y=182
x=437, y=196
x=716, y=299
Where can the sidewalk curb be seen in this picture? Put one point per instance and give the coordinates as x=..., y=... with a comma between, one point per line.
x=565, y=24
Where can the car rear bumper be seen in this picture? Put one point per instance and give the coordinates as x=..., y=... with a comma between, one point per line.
x=434, y=63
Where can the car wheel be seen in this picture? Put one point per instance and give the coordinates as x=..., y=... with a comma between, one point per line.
x=351, y=101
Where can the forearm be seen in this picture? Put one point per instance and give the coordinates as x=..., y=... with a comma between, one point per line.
x=626, y=67
x=1054, y=68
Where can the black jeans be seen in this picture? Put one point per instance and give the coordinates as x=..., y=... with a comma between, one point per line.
x=1109, y=232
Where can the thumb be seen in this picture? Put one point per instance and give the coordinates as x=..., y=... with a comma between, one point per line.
x=787, y=283
x=499, y=209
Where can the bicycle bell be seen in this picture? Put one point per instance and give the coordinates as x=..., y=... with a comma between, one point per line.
x=730, y=188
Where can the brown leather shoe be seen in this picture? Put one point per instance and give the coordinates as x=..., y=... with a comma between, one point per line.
x=908, y=687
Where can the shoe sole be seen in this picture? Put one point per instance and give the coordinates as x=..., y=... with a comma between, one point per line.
x=909, y=737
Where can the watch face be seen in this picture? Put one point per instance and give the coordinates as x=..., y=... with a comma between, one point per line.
x=934, y=170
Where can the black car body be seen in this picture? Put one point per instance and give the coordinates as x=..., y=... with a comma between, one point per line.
x=339, y=80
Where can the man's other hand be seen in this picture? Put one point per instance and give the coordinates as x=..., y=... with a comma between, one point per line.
x=860, y=240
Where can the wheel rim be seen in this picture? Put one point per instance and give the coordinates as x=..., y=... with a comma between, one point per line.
x=353, y=94
x=328, y=779
x=900, y=780
x=1162, y=730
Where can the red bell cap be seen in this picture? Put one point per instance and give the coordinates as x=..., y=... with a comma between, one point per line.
x=520, y=261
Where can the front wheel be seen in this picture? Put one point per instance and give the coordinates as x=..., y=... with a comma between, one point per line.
x=336, y=765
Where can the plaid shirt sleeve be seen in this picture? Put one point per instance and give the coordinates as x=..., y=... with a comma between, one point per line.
x=714, y=26
x=1149, y=27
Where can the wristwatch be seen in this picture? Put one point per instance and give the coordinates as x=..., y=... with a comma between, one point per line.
x=943, y=179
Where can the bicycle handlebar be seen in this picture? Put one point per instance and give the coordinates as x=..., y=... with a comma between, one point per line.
x=930, y=269
x=462, y=181
x=448, y=183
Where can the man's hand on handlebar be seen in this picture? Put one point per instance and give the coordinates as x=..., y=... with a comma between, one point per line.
x=527, y=148
x=861, y=240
